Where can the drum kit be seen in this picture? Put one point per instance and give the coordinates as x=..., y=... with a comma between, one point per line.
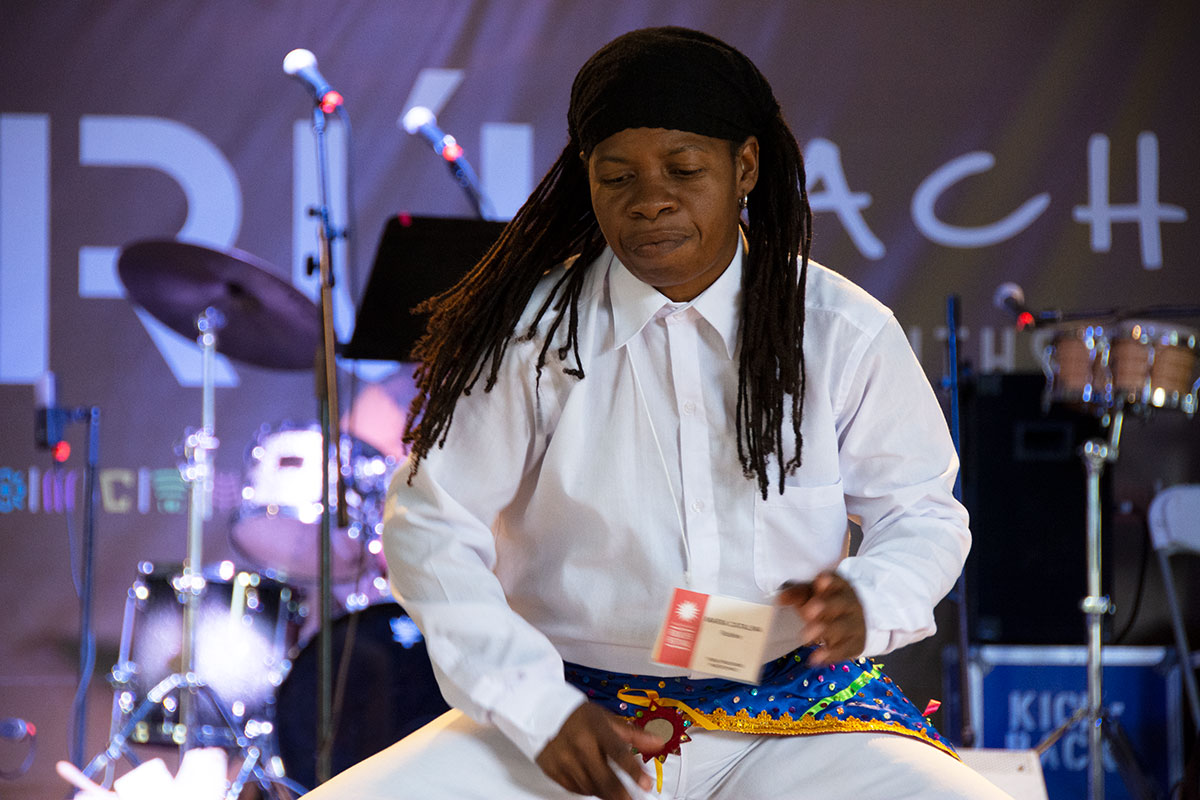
x=1136, y=364
x=226, y=657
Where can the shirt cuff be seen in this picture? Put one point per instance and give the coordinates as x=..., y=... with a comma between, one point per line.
x=879, y=640
x=531, y=715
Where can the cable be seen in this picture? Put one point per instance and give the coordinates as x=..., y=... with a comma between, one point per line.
x=31, y=737
x=87, y=656
x=1140, y=514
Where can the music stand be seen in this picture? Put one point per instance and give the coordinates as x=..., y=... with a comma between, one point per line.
x=417, y=258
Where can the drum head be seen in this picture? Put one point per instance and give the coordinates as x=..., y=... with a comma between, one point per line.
x=244, y=627
x=389, y=690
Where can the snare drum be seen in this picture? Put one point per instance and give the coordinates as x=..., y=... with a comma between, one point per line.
x=245, y=626
x=279, y=523
x=1153, y=365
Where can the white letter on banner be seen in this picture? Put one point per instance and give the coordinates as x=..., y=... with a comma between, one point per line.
x=506, y=164
x=1020, y=710
x=306, y=229
x=951, y=173
x=1100, y=214
x=823, y=162
x=214, y=214
x=432, y=89
x=24, y=247
x=993, y=360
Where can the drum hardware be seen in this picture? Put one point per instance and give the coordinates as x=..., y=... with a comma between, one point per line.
x=277, y=525
x=1138, y=365
x=246, y=743
x=244, y=630
x=1102, y=727
x=263, y=320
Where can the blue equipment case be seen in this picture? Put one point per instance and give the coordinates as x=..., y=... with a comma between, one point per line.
x=1021, y=693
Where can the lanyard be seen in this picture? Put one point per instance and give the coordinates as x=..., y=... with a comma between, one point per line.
x=687, y=550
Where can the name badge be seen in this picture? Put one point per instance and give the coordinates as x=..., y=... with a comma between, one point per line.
x=719, y=636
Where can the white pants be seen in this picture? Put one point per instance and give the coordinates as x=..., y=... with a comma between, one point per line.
x=456, y=758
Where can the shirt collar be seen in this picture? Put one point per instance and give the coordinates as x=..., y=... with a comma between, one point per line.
x=635, y=303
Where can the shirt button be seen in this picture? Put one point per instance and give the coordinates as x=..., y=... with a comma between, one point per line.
x=689, y=407
x=698, y=506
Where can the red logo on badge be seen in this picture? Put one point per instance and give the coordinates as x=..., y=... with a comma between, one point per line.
x=680, y=630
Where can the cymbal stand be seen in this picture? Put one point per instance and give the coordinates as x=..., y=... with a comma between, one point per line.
x=1096, y=453
x=190, y=587
x=198, y=472
x=253, y=756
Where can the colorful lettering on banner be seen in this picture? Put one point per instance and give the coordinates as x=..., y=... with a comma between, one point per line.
x=12, y=490
x=121, y=490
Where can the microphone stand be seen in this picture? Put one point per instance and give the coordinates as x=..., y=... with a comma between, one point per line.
x=1057, y=316
x=87, y=639
x=325, y=371
x=967, y=727
x=465, y=177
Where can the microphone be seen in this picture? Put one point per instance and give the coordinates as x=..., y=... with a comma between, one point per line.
x=13, y=729
x=1011, y=298
x=49, y=419
x=420, y=119
x=301, y=64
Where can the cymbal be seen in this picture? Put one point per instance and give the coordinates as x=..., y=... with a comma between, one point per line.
x=268, y=322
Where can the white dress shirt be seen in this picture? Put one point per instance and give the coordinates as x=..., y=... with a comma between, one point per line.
x=557, y=519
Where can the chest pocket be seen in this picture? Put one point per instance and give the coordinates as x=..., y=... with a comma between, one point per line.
x=798, y=533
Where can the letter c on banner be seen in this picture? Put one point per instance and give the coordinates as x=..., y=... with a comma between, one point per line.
x=114, y=501
x=943, y=233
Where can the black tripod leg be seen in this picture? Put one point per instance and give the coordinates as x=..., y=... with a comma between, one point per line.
x=1132, y=773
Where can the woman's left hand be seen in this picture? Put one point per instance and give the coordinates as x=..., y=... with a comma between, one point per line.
x=833, y=617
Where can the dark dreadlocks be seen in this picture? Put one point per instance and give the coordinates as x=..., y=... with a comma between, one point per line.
x=664, y=78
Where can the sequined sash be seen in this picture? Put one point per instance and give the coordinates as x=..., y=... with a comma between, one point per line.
x=792, y=699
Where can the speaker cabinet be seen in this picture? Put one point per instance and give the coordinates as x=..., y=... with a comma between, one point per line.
x=1025, y=485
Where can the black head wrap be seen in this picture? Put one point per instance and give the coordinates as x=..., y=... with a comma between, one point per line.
x=672, y=78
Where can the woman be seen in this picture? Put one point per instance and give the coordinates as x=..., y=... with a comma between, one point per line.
x=644, y=386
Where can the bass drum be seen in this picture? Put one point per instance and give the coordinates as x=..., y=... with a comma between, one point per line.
x=389, y=691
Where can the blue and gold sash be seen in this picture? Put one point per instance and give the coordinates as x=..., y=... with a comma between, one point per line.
x=792, y=699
